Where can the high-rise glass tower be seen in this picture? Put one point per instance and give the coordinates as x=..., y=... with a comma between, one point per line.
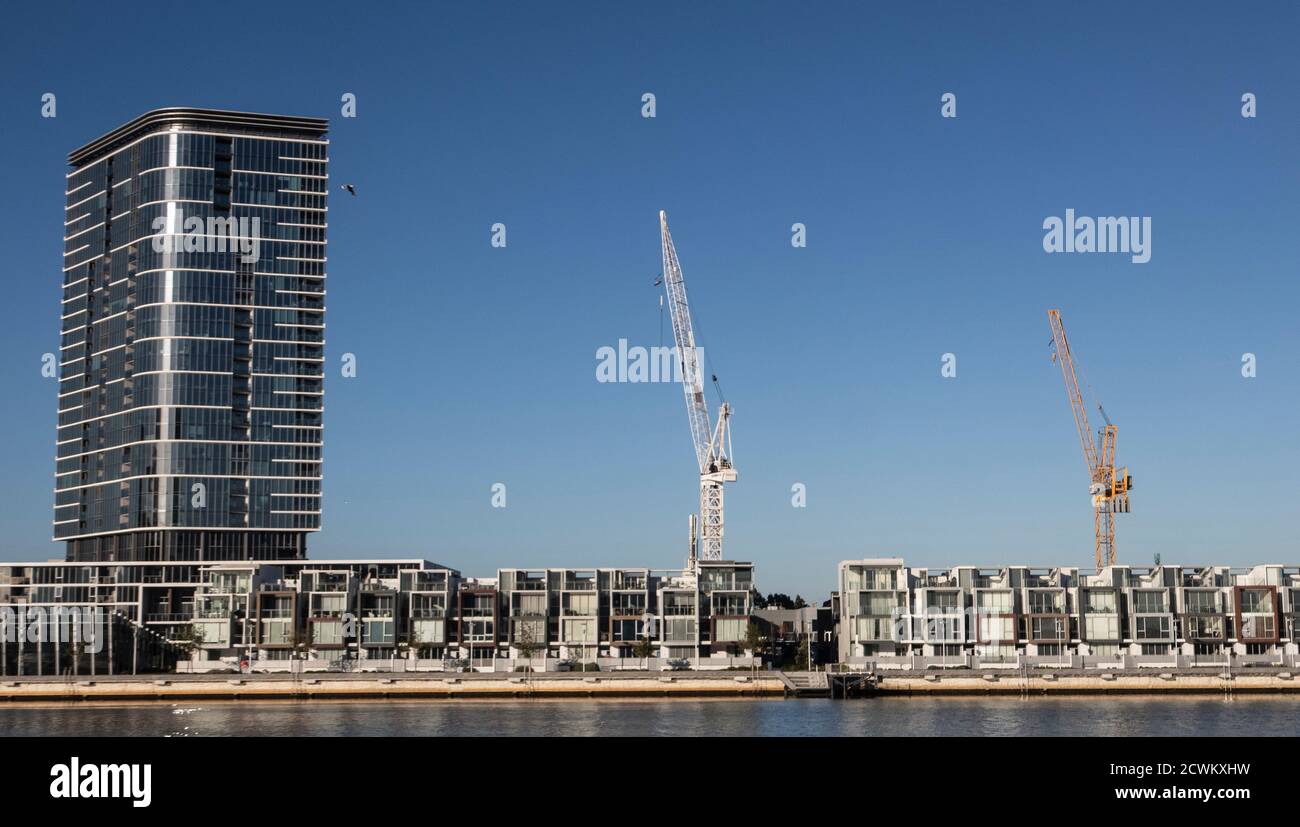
x=193, y=320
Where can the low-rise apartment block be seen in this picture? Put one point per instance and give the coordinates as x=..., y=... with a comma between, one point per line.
x=102, y=618
x=890, y=615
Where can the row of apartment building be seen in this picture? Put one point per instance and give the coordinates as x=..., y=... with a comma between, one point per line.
x=890, y=615
x=105, y=617
x=90, y=618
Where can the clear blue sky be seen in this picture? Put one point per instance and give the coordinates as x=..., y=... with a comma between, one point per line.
x=477, y=365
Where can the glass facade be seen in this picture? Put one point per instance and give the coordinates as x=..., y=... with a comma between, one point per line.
x=192, y=352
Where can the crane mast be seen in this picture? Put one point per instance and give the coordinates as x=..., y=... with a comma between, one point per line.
x=1108, y=487
x=712, y=444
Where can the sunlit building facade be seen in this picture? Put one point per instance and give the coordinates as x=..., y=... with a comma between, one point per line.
x=193, y=330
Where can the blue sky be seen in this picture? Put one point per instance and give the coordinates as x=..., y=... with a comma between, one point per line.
x=477, y=365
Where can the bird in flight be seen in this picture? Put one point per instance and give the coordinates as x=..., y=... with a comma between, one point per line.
x=351, y=189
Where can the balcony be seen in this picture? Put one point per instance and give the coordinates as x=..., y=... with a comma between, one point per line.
x=169, y=617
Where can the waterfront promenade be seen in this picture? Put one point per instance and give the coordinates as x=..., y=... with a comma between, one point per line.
x=631, y=683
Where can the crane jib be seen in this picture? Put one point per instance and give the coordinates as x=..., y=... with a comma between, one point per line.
x=712, y=447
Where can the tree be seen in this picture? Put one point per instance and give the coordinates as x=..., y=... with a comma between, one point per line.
x=413, y=641
x=189, y=640
x=779, y=601
x=643, y=649
x=801, y=659
x=301, y=640
x=754, y=639
x=799, y=602
x=526, y=643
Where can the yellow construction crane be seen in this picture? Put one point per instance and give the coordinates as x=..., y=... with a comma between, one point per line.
x=1108, y=486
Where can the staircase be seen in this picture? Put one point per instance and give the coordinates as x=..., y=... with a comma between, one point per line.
x=805, y=684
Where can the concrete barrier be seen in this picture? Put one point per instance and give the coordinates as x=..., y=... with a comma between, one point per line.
x=389, y=685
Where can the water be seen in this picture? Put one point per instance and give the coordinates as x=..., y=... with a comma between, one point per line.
x=1092, y=716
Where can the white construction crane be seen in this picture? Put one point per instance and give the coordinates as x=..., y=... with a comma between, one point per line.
x=712, y=445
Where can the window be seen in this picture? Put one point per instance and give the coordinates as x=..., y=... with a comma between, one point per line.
x=276, y=632
x=379, y=631
x=580, y=604
x=679, y=629
x=875, y=628
x=1101, y=627
x=532, y=604
x=478, y=631
x=1204, y=627
x=1148, y=602
x=997, y=629
x=626, y=630
x=1256, y=601
x=946, y=602
x=431, y=631
x=877, y=603
x=327, y=633
x=1101, y=602
x=1151, y=627
x=331, y=604
x=856, y=579
x=1199, y=602
x=1257, y=626
x=730, y=604
x=529, y=631
x=995, y=602
x=1045, y=602
x=580, y=631
x=1048, y=628
x=214, y=632
x=727, y=631
x=944, y=627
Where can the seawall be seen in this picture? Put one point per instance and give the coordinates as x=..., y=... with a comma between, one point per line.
x=1109, y=683
x=387, y=685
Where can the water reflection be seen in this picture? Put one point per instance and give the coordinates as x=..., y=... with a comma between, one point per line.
x=664, y=717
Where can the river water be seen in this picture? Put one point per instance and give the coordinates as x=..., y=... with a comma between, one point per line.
x=1253, y=716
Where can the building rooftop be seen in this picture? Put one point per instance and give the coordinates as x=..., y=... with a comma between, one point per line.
x=251, y=122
